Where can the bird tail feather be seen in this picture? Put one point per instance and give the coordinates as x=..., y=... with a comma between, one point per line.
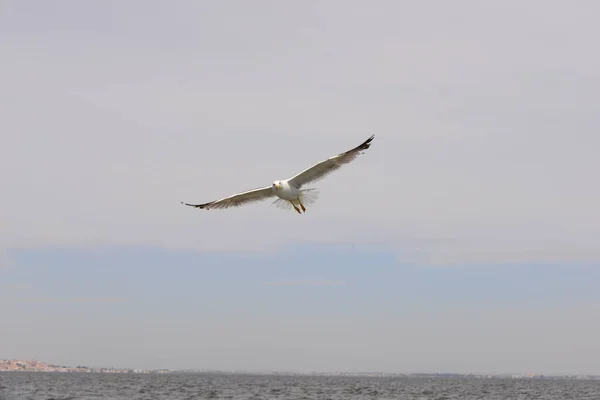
x=307, y=197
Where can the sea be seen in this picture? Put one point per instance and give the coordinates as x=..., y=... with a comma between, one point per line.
x=84, y=386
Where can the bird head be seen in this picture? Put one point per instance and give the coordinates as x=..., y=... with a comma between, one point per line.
x=276, y=185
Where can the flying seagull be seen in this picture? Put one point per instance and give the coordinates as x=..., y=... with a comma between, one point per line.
x=290, y=190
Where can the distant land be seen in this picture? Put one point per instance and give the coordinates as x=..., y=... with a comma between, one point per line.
x=40, y=366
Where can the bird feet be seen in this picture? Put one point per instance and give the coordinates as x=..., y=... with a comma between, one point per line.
x=296, y=208
x=301, y=205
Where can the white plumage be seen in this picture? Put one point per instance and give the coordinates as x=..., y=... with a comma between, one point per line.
x=290, y=191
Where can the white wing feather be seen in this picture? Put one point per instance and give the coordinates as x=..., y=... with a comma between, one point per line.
x=323, y=168
x=238, y=199
x=312, y=174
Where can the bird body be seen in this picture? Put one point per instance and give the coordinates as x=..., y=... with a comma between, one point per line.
x=290, y=191
x=285, y=191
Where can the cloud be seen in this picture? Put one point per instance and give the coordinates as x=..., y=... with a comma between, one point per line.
x=16, y=287
x=309, y=283
x=65, y=300
x=472, y=143
x=510, y=256
x=5, y=260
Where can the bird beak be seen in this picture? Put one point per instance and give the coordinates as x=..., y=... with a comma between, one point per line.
x=277, y=186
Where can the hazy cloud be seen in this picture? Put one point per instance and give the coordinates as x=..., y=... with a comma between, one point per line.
x=486, y=136
x=548, y=256
x=66, y=300
x=5, y=261
x=485, y=117
x=310, y=283
x=328, y=307
x=15, y=287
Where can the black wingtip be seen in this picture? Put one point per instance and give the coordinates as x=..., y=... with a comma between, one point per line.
x=366, y=144
x=363, y=146
x=201, y=206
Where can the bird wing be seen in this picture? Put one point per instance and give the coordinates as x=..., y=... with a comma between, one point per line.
x=238, y=199
x=323, y=168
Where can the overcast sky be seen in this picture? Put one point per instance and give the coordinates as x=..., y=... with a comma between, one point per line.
x=484, y=167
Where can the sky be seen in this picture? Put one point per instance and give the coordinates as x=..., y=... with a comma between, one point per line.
x=465, y=239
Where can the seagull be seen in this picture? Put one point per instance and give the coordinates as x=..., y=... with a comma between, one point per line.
x=291, y=190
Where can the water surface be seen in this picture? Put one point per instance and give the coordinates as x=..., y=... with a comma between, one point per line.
x=82, y=386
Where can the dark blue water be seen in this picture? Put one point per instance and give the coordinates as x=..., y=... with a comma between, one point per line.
x=63, y=386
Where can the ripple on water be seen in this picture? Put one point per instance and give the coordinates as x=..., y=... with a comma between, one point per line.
x=59, y=386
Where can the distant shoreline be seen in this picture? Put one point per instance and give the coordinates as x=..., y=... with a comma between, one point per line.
x=39, y=366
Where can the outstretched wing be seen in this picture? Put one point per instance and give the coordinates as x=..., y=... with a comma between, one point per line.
x=321, y=169
x=237, y=199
